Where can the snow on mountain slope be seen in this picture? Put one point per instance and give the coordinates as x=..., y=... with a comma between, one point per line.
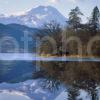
x=35, y=17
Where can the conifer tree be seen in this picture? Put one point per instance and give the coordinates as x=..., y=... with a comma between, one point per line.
x=74, y=18
x=94, y=21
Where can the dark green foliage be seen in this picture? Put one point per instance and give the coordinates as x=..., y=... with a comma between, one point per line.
x=94, y=21
x=74, y=18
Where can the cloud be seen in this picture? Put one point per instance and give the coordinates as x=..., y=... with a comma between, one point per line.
x=56, y=1
x=17, y=13
x=74, y=1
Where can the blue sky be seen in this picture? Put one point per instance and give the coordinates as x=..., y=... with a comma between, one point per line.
x=64, y=6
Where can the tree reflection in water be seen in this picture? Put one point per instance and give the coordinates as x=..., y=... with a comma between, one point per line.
x=74, y=75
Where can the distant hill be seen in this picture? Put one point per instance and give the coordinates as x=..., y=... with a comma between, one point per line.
x=17, y=31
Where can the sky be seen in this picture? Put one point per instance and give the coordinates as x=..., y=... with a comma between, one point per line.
x=64, y=6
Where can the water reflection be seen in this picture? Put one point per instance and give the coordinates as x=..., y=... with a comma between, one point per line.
x=16, y=71
x=6, y=66
x=75, y=75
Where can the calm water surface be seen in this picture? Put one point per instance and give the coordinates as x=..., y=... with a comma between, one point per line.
x=21, y=67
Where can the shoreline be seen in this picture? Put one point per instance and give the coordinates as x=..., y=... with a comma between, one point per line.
x=69, y=56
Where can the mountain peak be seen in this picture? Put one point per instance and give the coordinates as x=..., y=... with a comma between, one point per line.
x=42, y=9
x=36, y=17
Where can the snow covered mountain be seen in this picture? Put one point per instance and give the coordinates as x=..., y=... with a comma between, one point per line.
x=35, y=17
